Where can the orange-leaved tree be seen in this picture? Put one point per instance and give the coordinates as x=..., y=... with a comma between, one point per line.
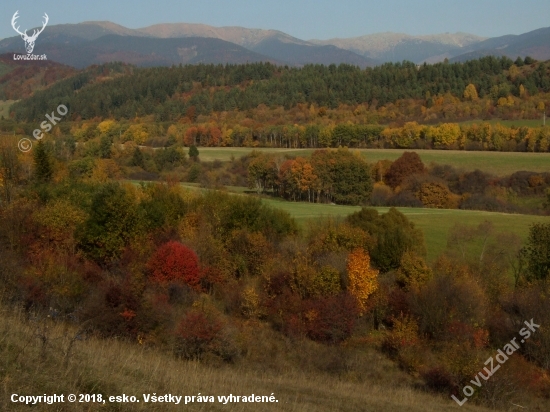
x=175, y=262
x=362, y=279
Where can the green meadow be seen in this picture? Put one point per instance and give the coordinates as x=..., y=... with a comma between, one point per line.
x=5, y=107
x=435, y=223
x=498, y=163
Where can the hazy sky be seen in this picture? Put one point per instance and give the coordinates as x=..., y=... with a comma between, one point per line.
x=305, y=19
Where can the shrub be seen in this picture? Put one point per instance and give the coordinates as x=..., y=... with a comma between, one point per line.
x=407, y=165
x=405, y=198
x=380, y=195
x=196, y=335
x=445, y=300
x=394, y=234
x=483, y=202
x=537, y=252
x=439, y=380
x=404, y=333
x=331, y=319
x=413, y=271
x=175, y=262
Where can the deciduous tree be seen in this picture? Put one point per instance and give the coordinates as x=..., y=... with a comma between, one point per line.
x=173, y=262
x=362, y=278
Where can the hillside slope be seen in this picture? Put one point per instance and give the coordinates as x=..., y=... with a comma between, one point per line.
x=148, y=52
x=20, y=79
x=35, y=359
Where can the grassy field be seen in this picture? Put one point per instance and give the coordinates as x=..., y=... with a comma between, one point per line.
x=498, y=163
x=5, y=107
x=435, y=223
x=30, y=365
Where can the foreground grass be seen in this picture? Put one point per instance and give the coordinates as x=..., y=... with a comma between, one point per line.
x=435, y=223
x=111, y=367
x=498, y=163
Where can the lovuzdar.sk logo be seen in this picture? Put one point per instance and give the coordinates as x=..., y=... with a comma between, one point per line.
x=29, y=40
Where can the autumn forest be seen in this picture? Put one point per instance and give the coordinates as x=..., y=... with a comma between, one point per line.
x=132, y=221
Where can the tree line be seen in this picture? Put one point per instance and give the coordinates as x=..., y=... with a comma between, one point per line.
x=167, y=93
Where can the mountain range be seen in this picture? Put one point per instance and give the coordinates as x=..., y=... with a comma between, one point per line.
x=80, y=45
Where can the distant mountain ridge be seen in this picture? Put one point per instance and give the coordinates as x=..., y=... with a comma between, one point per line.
x=399, y=46
x=83, y=43
x=166, y=44
x=535, y=43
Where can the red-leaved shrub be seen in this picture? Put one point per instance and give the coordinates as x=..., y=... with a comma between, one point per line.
x=175, y=262
x=196, y=335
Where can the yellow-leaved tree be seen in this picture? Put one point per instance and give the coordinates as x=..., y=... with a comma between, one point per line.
x=106, y=126
x=470, y=93
x=362, y=279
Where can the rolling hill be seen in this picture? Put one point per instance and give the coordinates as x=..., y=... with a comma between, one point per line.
x=20, y=79
x=149, y=52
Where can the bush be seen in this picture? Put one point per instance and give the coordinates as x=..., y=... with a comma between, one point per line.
x=405, y=198
x=331, y=319
x=407, y=165
x=194, y=172
x=488, y=203
x=447, y=299
x=196, y=335
x=439, y=380
x=174, y=262
x=380, y=195
x=394, y=234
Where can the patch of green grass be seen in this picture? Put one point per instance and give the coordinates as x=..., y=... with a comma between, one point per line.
x=435, y=223
x=5, y=107
x=498, y=163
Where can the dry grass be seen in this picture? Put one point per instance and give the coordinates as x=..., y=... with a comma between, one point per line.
x=112, y=367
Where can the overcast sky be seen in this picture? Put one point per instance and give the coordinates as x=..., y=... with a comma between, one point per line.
x=305, y=19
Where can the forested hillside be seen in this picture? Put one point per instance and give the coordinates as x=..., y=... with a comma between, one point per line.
x=20, y=79
x=169, y=92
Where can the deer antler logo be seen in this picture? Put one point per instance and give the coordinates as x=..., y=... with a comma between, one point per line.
x=29, y=40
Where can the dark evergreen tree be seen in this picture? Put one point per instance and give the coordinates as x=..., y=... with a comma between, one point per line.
x=43, y=169
x=537, y=252
x=105, y=147
x=193, y=153
x=137, y=158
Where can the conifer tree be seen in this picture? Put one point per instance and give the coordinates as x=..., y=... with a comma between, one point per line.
x=193, y=153
x=43, y=169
